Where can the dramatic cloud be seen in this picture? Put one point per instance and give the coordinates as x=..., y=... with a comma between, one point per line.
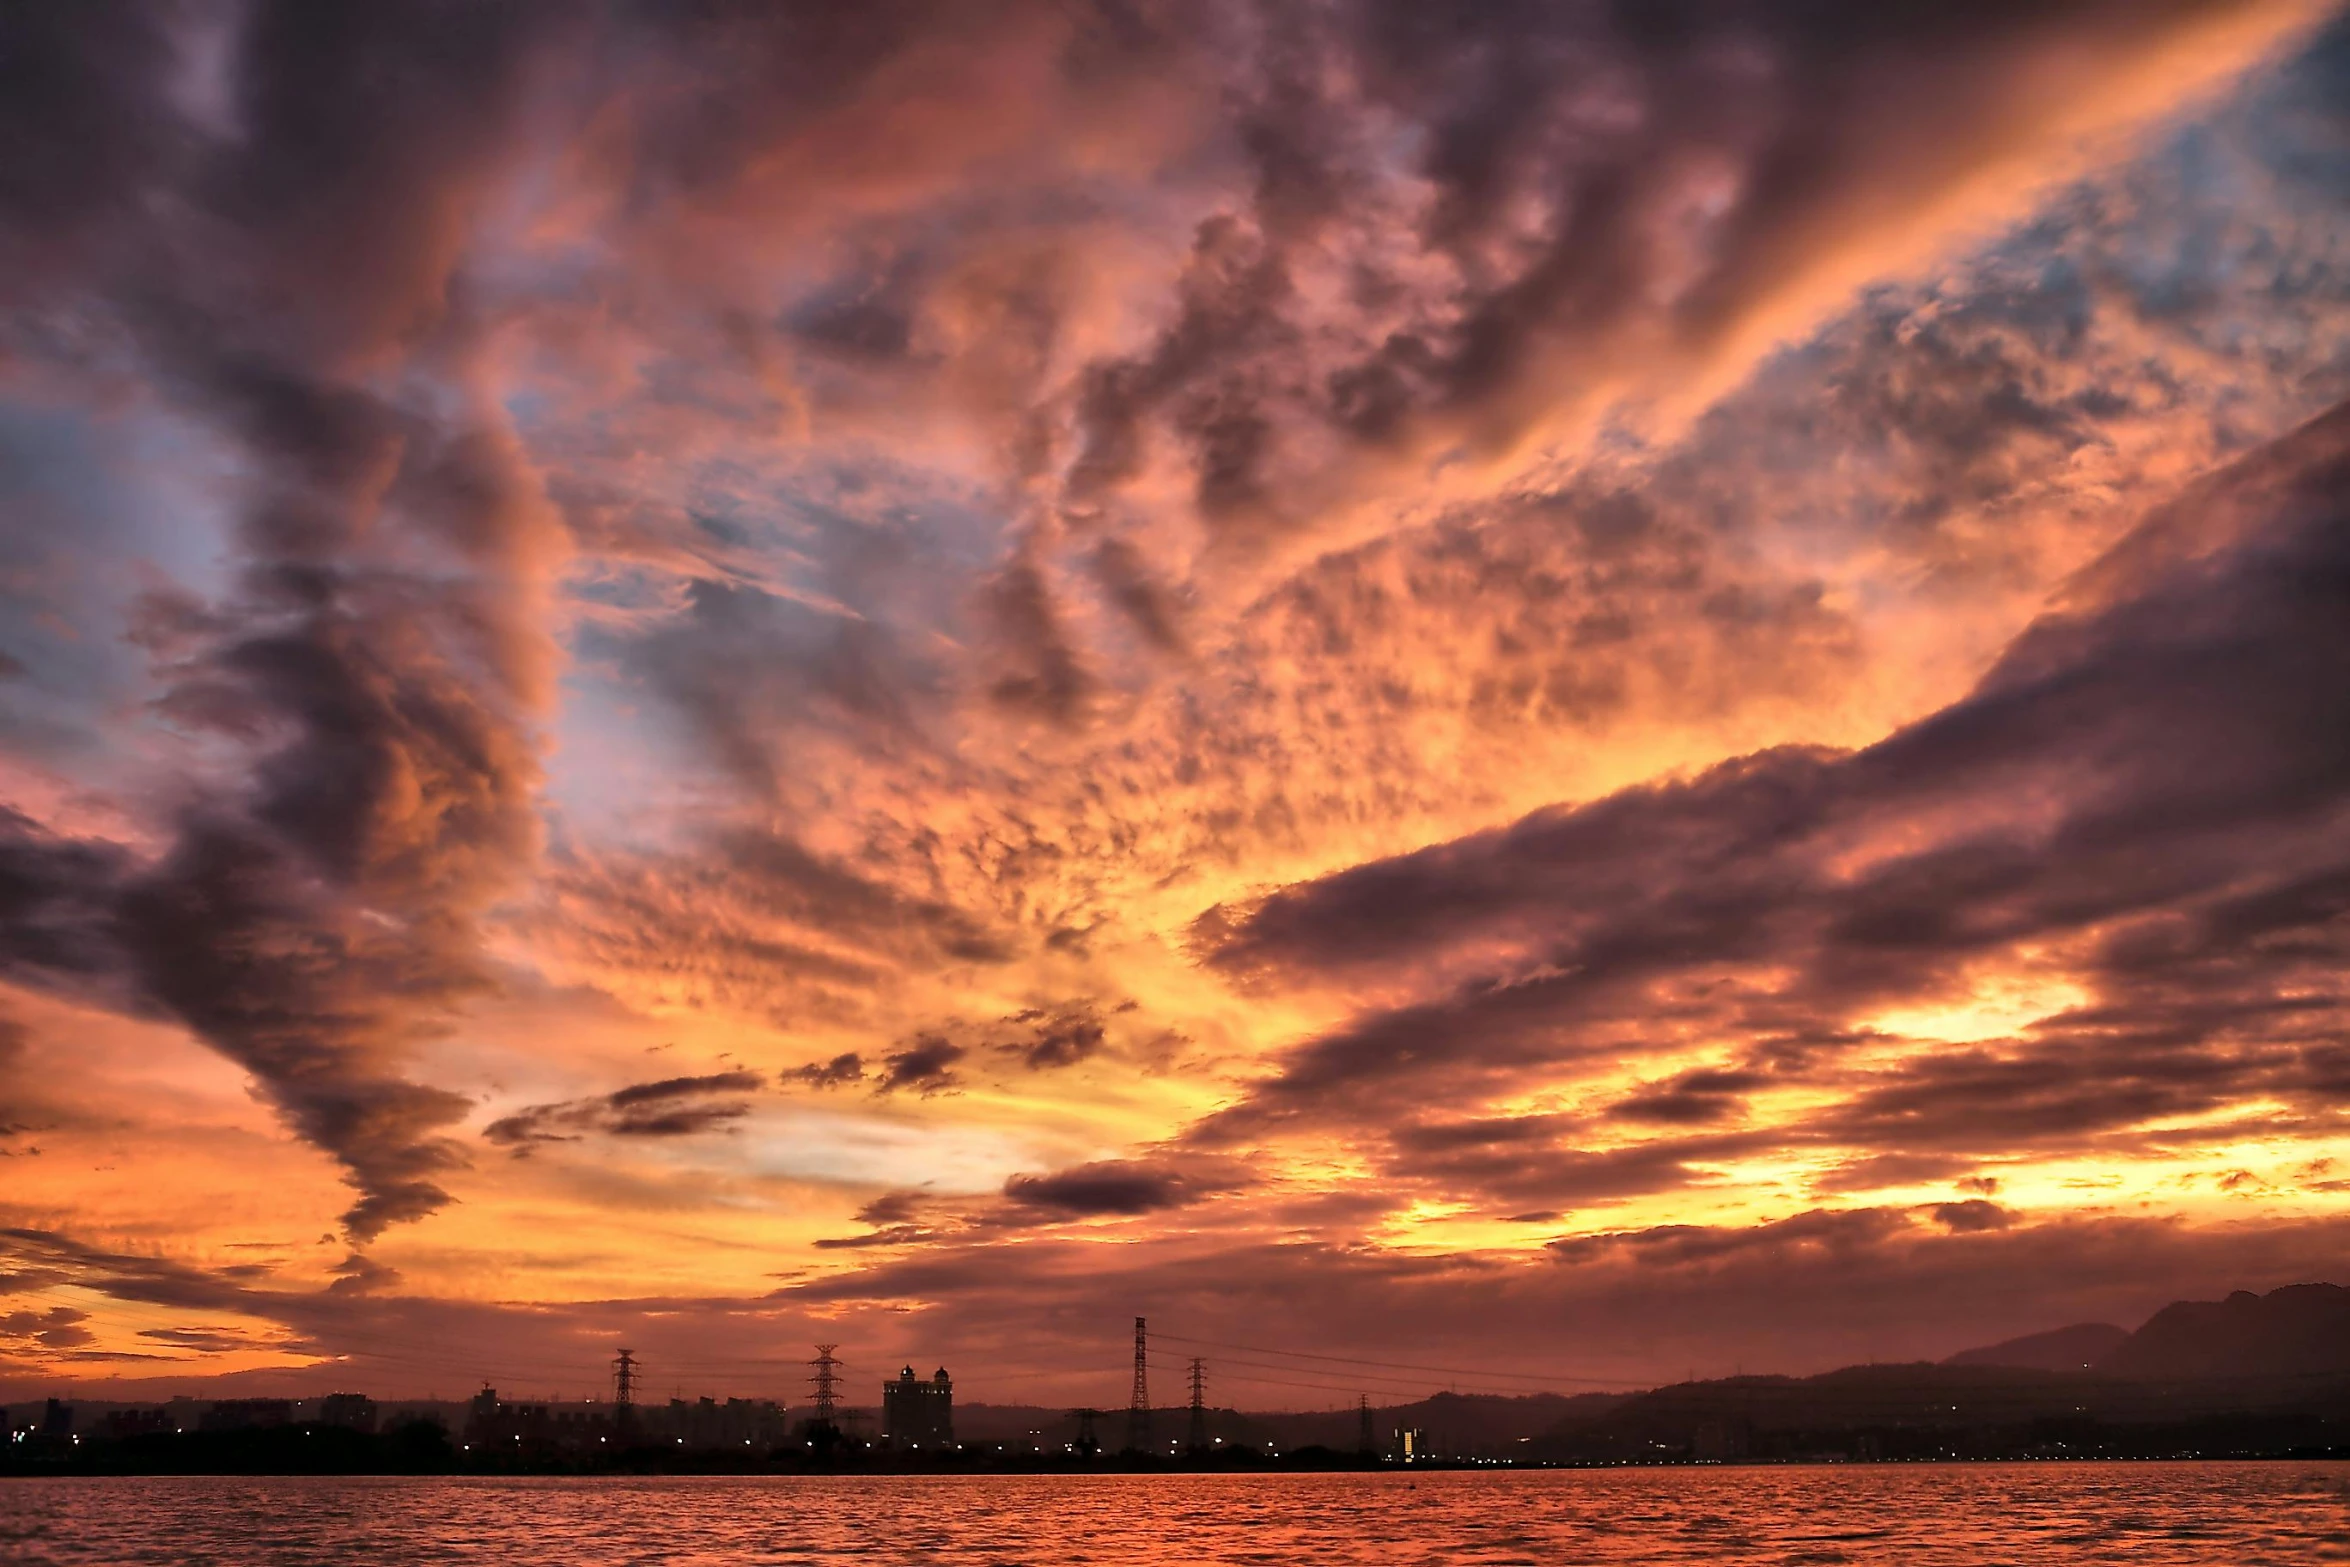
x=673, y=1107
x=57, y=1328
x=1971, y=1215
x=372, y=667
x=1602, y=201
x=1119, y=1186
x=2150, y=783
x=121, y=1275
x=54, y=897
x=1057, y=1038
x=927, y=1065
x=847, y=1067
x=1544, y=664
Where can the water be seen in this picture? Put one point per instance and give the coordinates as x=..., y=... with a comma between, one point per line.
x=2142, y=1514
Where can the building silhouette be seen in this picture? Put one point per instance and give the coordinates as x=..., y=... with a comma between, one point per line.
x=533, y=1430
x=121, y=1425
x=707, y=1425
x=351, y=1411
x=918, y=1414
x=247, y=1414
x=51, y=1437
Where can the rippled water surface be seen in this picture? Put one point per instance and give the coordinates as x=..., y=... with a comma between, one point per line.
x=2144, y=1514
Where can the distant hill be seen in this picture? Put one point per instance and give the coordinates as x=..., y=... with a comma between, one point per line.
x=2300, y=1330
x=2252, y=1373
x=1918, y=1395
x=2076, y=1348
x=1928, y=1411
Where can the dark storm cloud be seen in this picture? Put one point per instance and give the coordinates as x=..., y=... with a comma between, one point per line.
x=1047, y=1039
x=313, y=918
x=2152, y=776
x=1972, y=1215
x=1486, y=886
x=893, y=1235
x=1690, y=1099
x=157, y=1281
x=205, y=1341
x=843, y=1069
x=637, y=1095
x=55, y=903
x=368, y=1328
x=671, y=1107
x=1102, y=1189
x=59, y=1327
x=303, y=995
x=1038, y=1039
x=900, y=1218
x=900, y=1207
x=1122, y=1187
x=926, y=1065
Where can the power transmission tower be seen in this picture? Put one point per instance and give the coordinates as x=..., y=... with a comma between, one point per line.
x=1199, y=1405
x=823, y=1432
x=624, y=1381
x=826, y=1381
x=1138, y=1410
x=1364, y=1442
x=1087, y=1443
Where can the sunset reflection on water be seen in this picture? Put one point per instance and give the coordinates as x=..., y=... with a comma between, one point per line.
x=2145, y=1514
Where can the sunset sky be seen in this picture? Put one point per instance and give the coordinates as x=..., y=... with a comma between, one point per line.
x=1570, y=691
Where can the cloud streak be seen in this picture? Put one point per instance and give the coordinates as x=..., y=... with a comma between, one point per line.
x=670, y=1107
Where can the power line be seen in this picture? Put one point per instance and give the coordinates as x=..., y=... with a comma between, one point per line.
x=1398, y=1365
x=1351, y=1381
x=1260, y=1380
